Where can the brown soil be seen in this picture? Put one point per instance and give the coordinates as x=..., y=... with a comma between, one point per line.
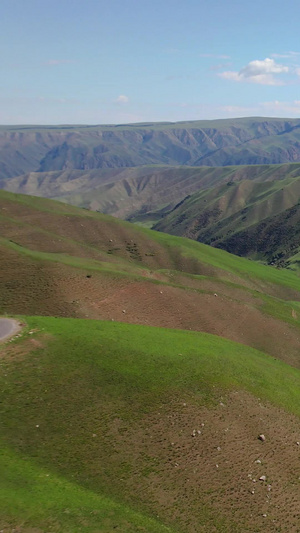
x=218, y=467
x=173, y=307
x=49, y=288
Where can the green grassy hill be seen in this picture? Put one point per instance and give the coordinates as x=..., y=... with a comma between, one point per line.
x=108, y=424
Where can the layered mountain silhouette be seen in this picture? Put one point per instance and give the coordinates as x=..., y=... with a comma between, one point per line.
x=196, y=143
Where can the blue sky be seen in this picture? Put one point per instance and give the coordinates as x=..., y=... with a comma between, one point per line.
x=118, y=61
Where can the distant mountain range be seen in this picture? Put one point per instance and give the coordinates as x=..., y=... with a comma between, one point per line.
x=212, y=181
x=26, y=149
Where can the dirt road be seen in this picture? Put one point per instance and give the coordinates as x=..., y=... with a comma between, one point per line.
x=8, y=327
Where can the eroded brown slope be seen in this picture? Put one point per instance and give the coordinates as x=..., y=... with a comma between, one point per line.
x=66, y=263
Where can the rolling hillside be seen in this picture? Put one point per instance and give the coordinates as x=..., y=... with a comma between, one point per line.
x=109, y=424
x=63, y=261
x=249, y=210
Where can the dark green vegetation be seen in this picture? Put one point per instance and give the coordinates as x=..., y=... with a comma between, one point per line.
x=110, y=426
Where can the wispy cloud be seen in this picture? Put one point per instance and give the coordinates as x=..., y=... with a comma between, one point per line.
x=215, y=56
x=263, y=72
x=174, y=77
x=37, y=100
x=275, y=108
x=219, y=66
x=171, y=50
x=122, y=99
x=286, y=55
x=54, y=62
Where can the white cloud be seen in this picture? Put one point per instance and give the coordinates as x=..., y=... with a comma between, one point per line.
x=258, y=71
x=122, y=99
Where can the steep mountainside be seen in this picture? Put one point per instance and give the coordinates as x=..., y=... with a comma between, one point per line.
x=141, y=193
x=248, y=218
x=214, y=143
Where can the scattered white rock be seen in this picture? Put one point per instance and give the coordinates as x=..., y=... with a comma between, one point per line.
x=263, y=478
x=123, y=311
x=219, y=448
x=258, y=461
x=37, y=425
x=261, y=437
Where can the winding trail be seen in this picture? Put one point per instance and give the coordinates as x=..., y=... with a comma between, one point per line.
x=8, y=327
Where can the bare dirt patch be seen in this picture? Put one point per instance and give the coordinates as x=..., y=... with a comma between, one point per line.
x=185, y=459
x=49, y=288
x=172, y=307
